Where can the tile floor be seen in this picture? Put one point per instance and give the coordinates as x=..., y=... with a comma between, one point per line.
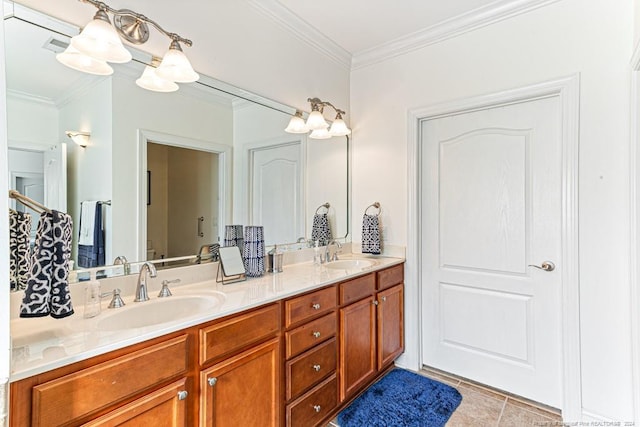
x=482, y=406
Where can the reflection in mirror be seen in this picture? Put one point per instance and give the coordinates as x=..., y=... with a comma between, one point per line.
x=278, y=179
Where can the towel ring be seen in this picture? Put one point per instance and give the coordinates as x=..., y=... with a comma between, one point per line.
x=374, y=205
x=326, y=206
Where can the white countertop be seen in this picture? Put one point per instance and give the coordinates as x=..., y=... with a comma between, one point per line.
x=42, y=344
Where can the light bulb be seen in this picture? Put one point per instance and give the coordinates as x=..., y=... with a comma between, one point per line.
x=175, y=66
x=101, y=41
x=150, y=81
x=77, y=60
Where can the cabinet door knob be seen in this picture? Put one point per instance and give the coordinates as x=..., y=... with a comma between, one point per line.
x=317, y=408
x=315, y=306
x=316, y=368
x=375, y=302
x=182, y=395
x=316, y=334
x=384, y=299
x=212, y=381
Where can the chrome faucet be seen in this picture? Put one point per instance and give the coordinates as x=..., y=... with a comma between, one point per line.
x=141, y=289
x=121, y=259
x=335, y=254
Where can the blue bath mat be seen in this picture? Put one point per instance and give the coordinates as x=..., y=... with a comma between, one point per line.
x=402, y=399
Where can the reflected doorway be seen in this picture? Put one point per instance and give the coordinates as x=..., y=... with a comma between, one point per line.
x=182, y=200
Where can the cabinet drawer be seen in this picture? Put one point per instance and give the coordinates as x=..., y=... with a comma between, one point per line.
x=238, y=332
x=309, y=305
x=390, y=276
x=310, y=368
x=314, y=406
x=306, y=336
x=356, y=289
x=75, y=396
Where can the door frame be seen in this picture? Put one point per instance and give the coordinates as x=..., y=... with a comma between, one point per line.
x=567, y=89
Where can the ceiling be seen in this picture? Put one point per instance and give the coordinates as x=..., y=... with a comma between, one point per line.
x=358, y=25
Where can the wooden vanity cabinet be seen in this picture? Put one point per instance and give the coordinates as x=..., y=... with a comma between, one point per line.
x=240, y=377
x=311, y=357
x=371, y=327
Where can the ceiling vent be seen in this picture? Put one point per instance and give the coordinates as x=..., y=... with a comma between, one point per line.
x=55, y=45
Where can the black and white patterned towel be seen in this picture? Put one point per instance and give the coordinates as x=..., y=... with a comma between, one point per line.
x=47, y=290
x=19, y=258
x=370, y=234
x=253, y=251
x=321, y=230
x=233, y=235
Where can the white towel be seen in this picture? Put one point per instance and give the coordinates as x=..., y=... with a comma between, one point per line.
x=87, y=222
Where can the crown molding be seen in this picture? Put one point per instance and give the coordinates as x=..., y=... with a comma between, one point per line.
x=461, y=24
x=291, y=22
x=24, y=96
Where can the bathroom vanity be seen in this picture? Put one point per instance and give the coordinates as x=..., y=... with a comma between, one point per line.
x=286, y=349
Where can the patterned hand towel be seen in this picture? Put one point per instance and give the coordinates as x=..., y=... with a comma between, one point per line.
x=321, y=230
x=47, y=290
x=19, y=258
x=370, y=234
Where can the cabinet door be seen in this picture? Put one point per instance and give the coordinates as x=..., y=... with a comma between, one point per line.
x=357, y=345
x=243, y=390
x=390, y=325
x=164, y=407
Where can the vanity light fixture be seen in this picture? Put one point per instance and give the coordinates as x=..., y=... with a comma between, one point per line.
x=316, y=122
x=101, y=42
x=80, y=138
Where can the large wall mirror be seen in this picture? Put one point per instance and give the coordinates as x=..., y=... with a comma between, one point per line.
x=171, y=169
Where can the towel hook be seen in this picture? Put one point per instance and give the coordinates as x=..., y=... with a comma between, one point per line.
x=373, y=205
x=326, y=206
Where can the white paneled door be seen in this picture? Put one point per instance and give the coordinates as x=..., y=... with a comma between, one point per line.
x=490, y=215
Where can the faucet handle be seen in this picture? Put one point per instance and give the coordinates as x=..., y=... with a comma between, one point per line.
x=165, y=292
x=116, y=300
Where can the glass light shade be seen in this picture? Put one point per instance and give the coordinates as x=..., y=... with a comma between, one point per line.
x=175, y=66
x=316, y=121
x=339, y=128
x=296, y=124
x=77, y=60
x=320, y=134
x=80, y=138
x=101, y=41
x=150, y=81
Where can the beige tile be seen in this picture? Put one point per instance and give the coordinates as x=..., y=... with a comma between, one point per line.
x=535, y=408
x=517, y=416
x=483, y=390
x=478, y=408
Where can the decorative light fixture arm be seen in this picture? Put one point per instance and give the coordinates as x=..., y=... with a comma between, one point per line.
x=139, y=17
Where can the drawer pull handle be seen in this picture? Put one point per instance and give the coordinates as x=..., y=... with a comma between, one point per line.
x=316, y=368
x=182, y=395
x=317, y=408
x=212, y=381
x=315, y=306
x=316, y=334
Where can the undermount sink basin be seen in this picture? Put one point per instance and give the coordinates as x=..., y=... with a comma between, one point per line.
x=350, y=264
x=158, y=310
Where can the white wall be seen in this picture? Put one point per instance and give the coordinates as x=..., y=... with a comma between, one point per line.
x=30, y=121
x=571, y=36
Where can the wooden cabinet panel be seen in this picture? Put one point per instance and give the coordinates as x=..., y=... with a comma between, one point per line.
x=356, y=289
x=309, y=368
x=306, y=336
x=307, y=306
x=314, y=406
x=86, y=392
x=238, y=332
x=390, y=325
x=357, y=345
x=243, y=390
x=164, y=407
x=391, y=276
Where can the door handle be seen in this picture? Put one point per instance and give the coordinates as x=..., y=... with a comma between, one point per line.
x=200, y=221
x=546, y=266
